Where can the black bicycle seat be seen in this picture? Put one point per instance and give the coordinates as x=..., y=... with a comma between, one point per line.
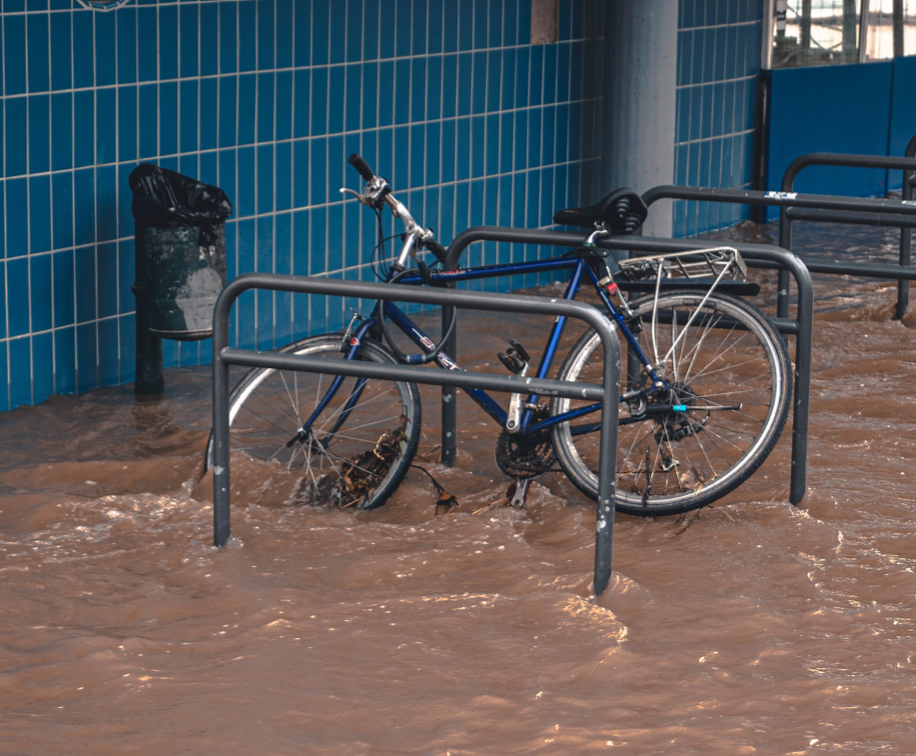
x=621, y=212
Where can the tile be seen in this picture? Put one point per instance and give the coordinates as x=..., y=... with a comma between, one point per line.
x=39, y=218
x=187, y=106
x=14, y=55
x=247, y=186
x=127, y=109
x=85, y=284
x=64, y=286
x=119, y=199
x=108, y=353
x=17, y=302
x=189, y=43
x=87, y=357
x=318, y=29
x=107, y=279
x=17, y=206
x=228, y=38
x=61, y=52
x=246, y=114
x=20, y=371
x=168, y=118
x=266, y=99
x=64, y=361
x=249, y=36
x=147, y=121
x=317, y=166
x=264, y=185
x=126, y=35
x=38, y=34
x=228, y=112
x=150, y=46
x=62, y=133
x=16, y=128
x=126, y=276
x=336, y=99
x=283, y=180
x=209, y=39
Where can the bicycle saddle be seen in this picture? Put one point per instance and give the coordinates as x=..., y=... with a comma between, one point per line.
x=622, y=212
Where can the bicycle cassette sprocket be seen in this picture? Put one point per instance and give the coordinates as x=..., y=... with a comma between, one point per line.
x=522, y=457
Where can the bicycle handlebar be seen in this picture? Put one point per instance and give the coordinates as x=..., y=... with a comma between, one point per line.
x=361, y=166
x=375, y=194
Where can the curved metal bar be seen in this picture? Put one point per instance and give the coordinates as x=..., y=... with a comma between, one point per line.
x=845, y=160
x=906, y=163
x=608, y=393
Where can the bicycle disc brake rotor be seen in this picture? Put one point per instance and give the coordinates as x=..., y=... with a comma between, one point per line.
x=525, y=456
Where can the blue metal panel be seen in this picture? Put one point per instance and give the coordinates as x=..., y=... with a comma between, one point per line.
x=903, y=113
x=830, y=109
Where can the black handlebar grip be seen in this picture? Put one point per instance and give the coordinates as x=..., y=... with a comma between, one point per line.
x=361, y=166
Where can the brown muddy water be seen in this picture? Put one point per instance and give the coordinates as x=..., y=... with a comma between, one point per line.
x=752, y=628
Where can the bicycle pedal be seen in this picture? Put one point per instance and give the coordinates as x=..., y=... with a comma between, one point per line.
x=519, y=350
x=511, y=362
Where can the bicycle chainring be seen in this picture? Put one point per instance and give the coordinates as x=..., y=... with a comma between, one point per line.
x=522, y=457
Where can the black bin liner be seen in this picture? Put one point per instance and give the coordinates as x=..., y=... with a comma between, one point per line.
x=179, y=227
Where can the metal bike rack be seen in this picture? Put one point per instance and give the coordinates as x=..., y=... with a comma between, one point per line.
x=788, y=214
x=608, y=393
x=756, y=255
x=827, y=208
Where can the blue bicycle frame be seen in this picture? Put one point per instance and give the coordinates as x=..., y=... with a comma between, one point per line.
x=579, y=268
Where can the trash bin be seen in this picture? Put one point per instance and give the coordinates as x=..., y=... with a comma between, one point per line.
x=180, y=246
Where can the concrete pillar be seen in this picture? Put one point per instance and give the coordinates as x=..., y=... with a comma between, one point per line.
x=638, y=118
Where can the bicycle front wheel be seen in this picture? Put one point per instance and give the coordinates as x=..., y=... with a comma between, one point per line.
x=354, y=452
x=729, y=380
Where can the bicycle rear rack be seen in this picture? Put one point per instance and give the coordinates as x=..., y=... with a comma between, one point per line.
x=718, y=262
x=608, y=393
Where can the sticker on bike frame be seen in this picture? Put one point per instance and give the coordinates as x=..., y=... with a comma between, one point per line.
x=447, y=362
x=782, y=195
x=679, y=407
x=425, y=341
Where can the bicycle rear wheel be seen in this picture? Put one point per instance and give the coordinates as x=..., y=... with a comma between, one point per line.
x=354, y=453
x=730, y=390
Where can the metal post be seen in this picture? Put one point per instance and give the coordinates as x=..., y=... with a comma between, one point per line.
x=608, y=393
x=907, y=163
x=906, y=235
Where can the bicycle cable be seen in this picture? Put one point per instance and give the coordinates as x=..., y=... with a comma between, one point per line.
x=413, y=359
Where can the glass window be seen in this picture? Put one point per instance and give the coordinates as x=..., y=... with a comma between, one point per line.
x=891, y=29
x=826, y=32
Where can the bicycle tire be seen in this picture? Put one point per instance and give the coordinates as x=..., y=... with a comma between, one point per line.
x=730, y=370
x=362, y=462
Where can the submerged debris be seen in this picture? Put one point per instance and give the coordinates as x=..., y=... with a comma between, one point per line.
x=358, y=478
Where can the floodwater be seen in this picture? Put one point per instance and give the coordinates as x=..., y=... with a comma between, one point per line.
x=752, y=627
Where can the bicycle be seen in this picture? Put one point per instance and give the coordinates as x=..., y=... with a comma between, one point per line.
x=707, y=378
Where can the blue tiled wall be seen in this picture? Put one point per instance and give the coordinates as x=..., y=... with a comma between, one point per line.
x=264, y=98
x=718, y=61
